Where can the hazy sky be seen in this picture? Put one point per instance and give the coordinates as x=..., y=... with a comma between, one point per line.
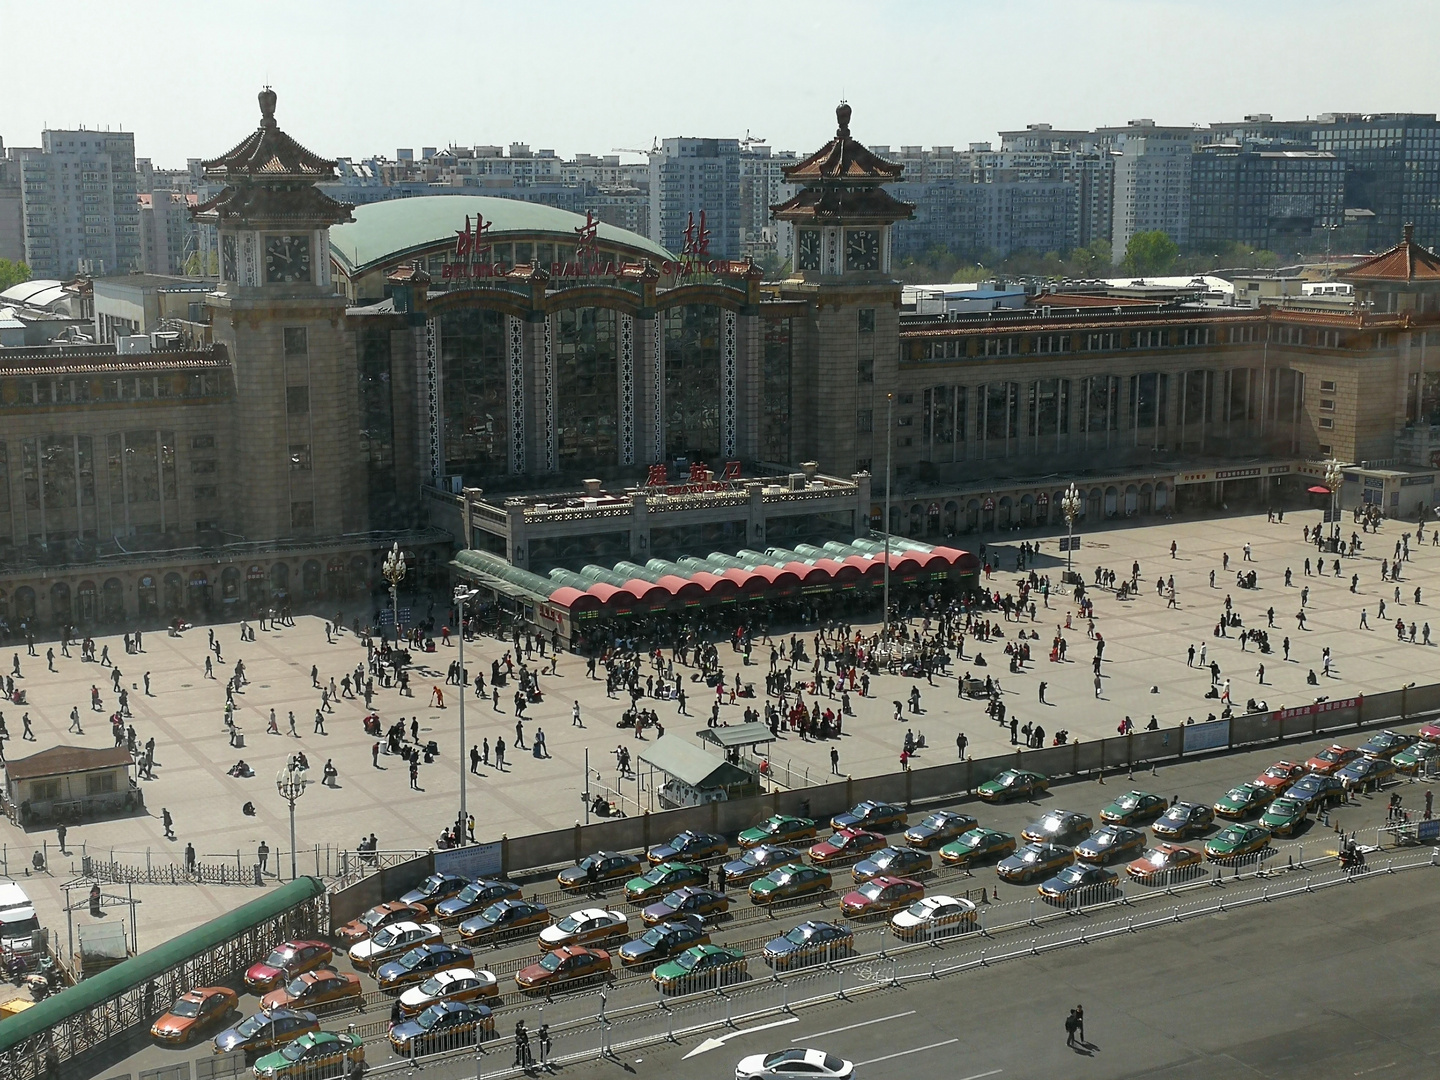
x=366, y=77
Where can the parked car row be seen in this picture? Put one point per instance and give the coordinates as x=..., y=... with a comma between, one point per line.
x=444, y=997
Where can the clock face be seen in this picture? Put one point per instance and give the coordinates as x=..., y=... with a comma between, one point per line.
x=287, y=258
x=229, y=264
x=862, y=249
x=808, y=255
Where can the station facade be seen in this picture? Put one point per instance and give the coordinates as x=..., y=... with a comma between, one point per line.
x=473, y=371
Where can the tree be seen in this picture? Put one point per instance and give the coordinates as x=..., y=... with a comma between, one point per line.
x=12, y=273
x=1150, y=253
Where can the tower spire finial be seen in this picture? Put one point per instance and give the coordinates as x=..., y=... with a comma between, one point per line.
x=267, y=107
x=842, y=117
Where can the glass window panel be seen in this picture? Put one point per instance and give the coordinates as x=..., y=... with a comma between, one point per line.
x=586, y=343
x=476, y=392
x=775, y=400
x=692, y=382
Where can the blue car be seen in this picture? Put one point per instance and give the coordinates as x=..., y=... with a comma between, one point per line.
x=446, y=1025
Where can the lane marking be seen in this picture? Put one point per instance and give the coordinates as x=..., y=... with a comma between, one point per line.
x=919, y=1050
x=717, y=1041
x=852, y=1027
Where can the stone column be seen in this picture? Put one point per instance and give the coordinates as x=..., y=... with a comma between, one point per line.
x=755, y=513
x=750, y=369
x=517, y=550
x=862, y=504
x=639, y=528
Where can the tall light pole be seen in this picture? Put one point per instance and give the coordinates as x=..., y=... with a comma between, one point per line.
x=889, y=442
x=393, y=570
x=1070, y=508
x=463, y=593
x=290, y=782
x=1333, y=479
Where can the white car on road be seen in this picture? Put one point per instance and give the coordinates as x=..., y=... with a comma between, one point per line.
x=797, y=1061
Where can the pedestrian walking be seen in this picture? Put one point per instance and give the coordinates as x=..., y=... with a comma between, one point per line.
x=475, y=759
x=189, y=858
x=262, y=855
x=26, y=735
x=575, y=715
x=960, y=743
x=414, y=774
x=1364, y=620
x=319, y=722
x=1260, y=674
x=519, y=735
x=834, y=762
x=292, y=726
x=60, y=834
x=75, y=721
x=1071, y=1024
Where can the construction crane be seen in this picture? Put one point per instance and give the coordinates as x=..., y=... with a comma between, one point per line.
x=655, y=149
x=749, y=139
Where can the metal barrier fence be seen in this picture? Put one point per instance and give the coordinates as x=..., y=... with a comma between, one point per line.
x=351, y=866
x=168, y=873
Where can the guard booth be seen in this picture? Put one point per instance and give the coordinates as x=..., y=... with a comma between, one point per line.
x=70, y=784
x=738, y=739
x=693, y=776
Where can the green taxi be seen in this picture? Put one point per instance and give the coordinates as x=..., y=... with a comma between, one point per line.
x=659, y=880
x=1134, y=807
x=1283, y=816
x=1013, y=784
x=778, y=829
x=311, y=1056
x=1243, y=800
x=1236, y=840
x=702, y=967
x=976, y=846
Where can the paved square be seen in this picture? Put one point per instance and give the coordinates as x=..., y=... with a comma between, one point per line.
x=1146, y=646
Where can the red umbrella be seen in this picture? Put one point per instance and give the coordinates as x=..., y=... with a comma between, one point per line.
x=1319, y=489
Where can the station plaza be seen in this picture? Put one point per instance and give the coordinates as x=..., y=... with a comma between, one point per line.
x=1145, y=673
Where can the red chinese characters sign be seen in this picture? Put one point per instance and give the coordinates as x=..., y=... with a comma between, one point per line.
x=473, y=255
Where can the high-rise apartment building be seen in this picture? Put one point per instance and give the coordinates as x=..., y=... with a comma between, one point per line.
x=12, y=218
x=763, y=185
x=1392, y=163
x=78, y=196
x=1152, y=181
x=693, y=176
x=982, y=201
x=1273, y=199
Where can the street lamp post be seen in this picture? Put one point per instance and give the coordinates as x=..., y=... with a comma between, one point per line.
x=393, y=570
x=290, y=782
x=462, y=595
x=889, y=442
x=1070, y=508
x=1333, y=478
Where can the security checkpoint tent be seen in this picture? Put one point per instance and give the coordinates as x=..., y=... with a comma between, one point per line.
x=695, y=777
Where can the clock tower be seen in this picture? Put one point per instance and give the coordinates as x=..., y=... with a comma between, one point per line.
x=277, y=314
x=842, y=218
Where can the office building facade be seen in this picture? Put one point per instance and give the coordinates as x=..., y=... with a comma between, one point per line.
x=79, y=202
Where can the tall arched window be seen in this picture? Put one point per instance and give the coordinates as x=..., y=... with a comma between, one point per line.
x=587, y=391
x=475, y=388
x=692, y=382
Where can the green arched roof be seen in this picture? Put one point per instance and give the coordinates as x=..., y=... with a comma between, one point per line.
x=386, y=232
